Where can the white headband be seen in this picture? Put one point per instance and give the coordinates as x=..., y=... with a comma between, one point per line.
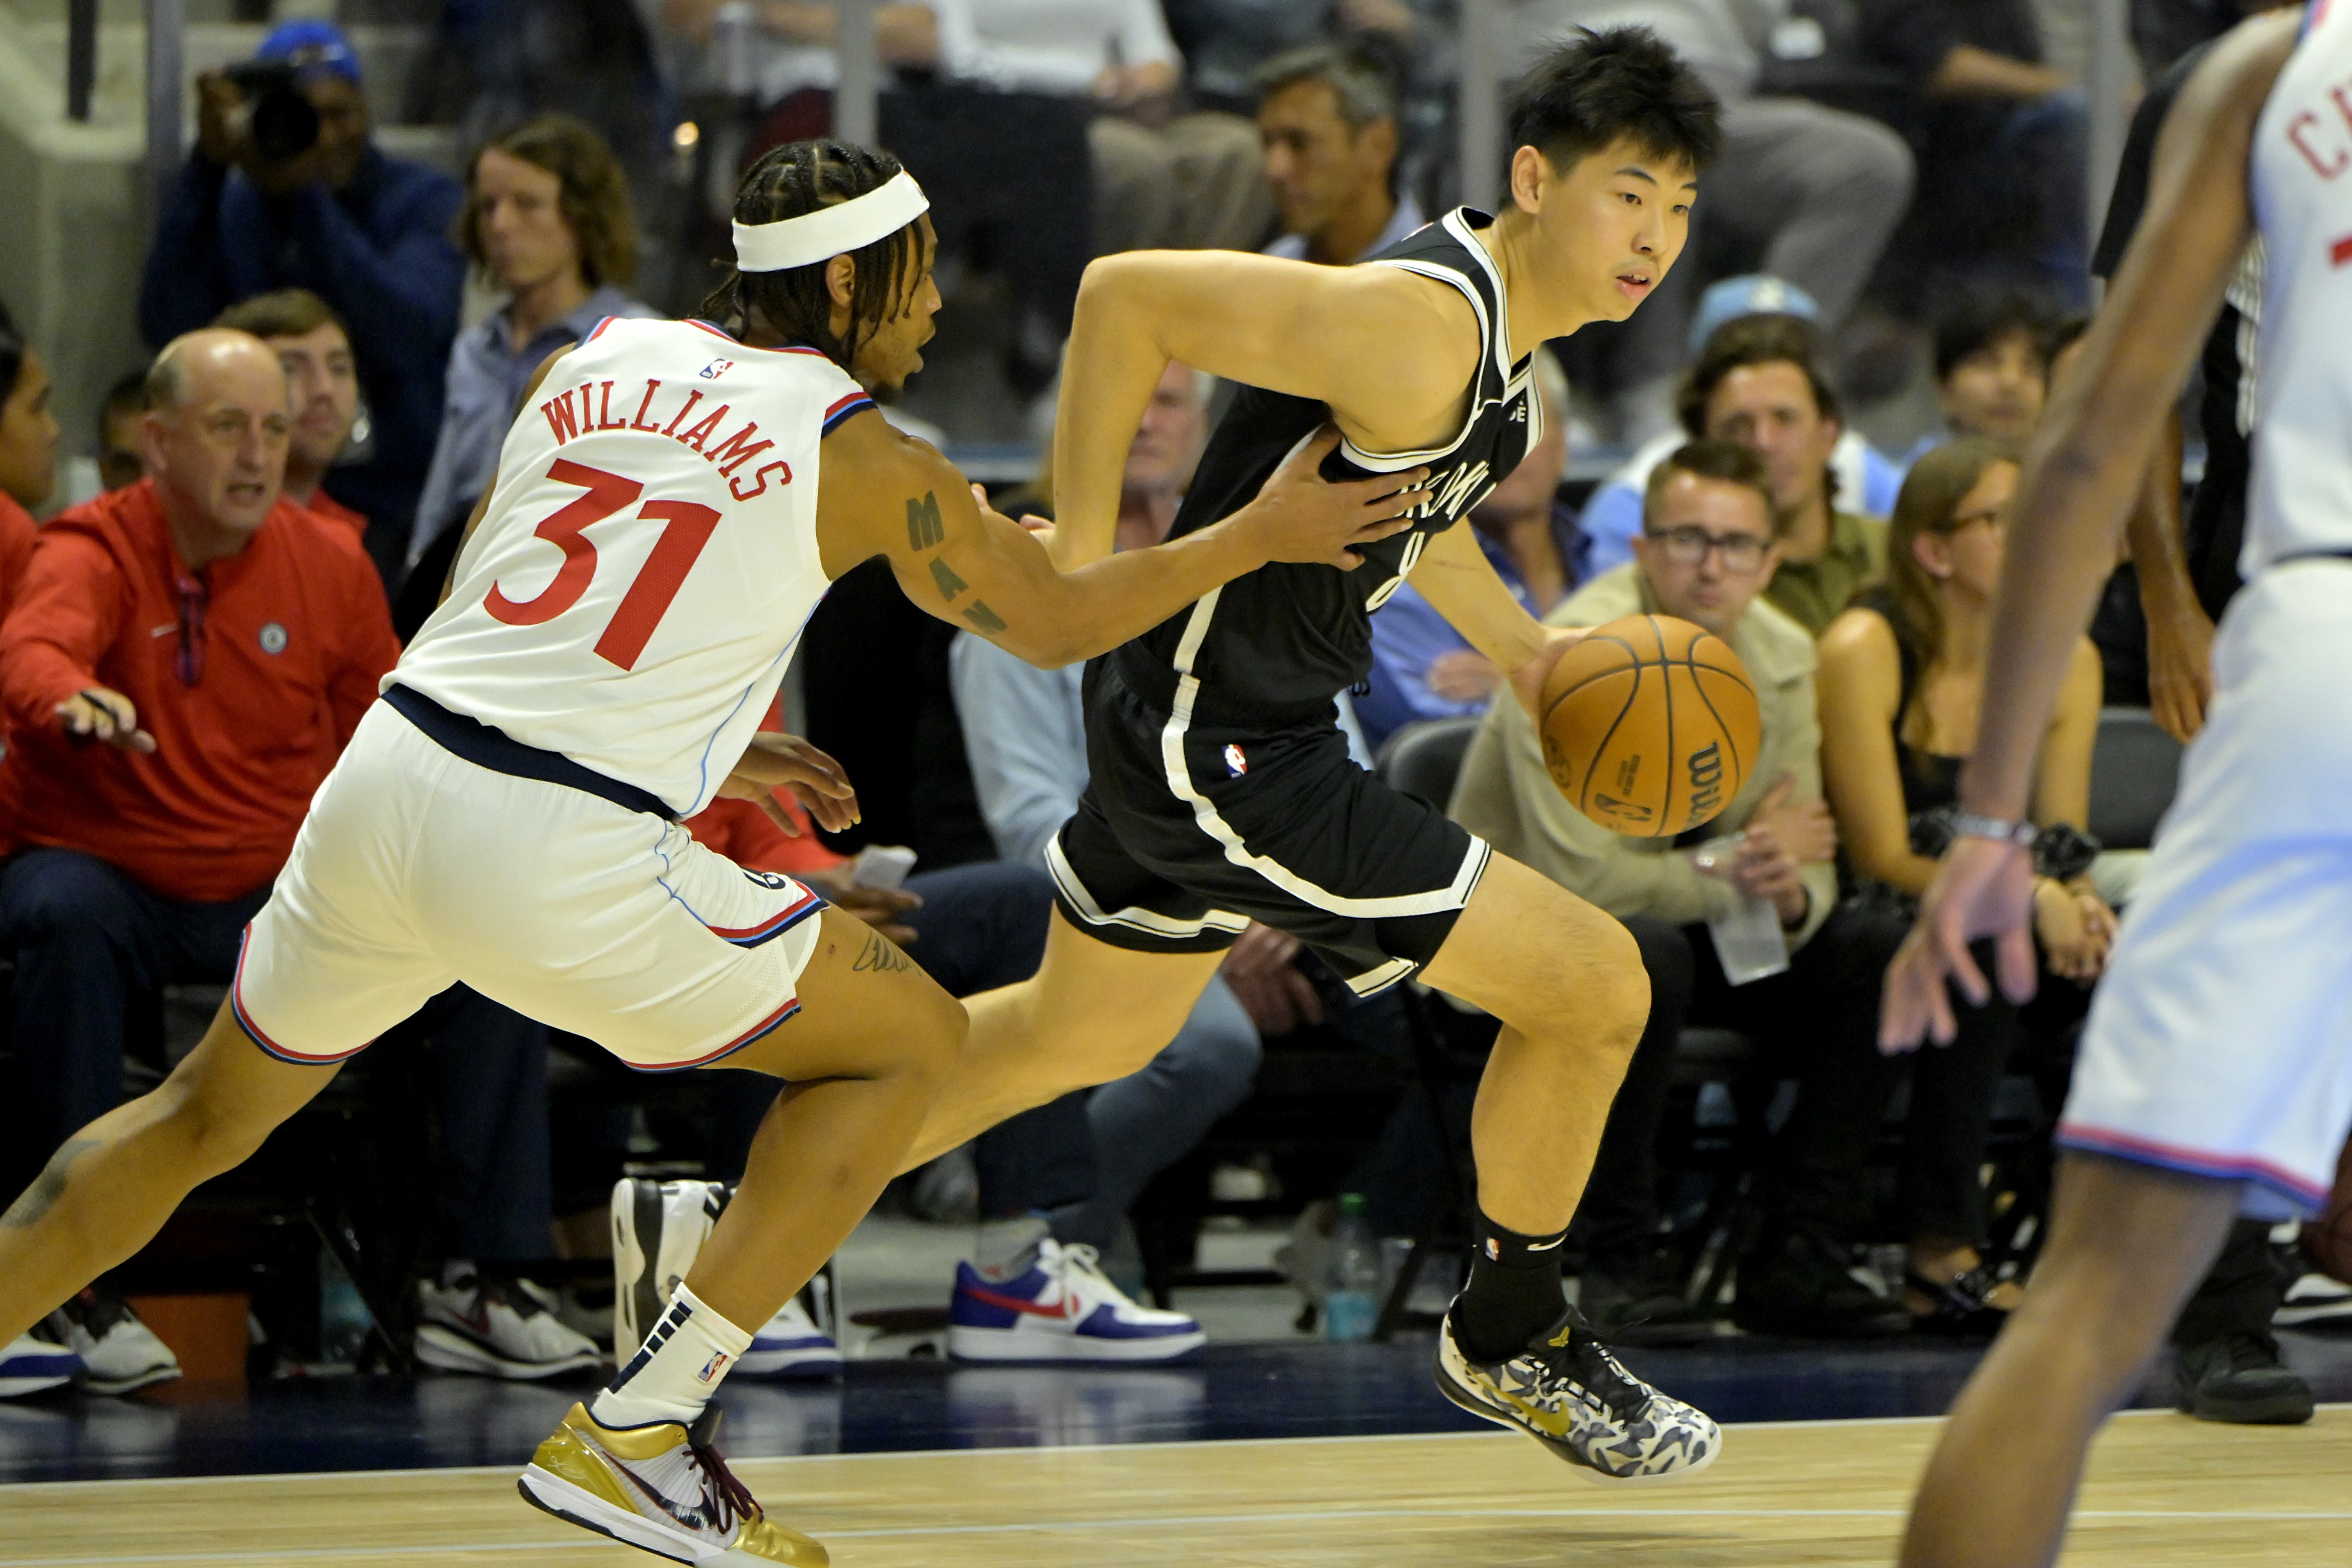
x=830, y=231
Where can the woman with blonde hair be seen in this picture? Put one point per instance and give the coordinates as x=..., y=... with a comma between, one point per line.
x=1901, y=683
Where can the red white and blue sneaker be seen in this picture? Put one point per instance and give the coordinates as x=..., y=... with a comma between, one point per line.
x=795, y=1343
x=660, y=1488
x=30, y=1364
x=1061, y=1308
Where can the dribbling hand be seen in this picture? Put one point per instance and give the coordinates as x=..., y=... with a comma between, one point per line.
x=1298, y=515
x=1981, y=889
x=774, y=760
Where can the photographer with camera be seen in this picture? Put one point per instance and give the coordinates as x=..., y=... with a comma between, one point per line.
x=286, y=189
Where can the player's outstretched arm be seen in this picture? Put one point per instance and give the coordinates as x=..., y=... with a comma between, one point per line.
x=2082, y=479
x=1455, y=575
x=883, y=493
x=1390, y=352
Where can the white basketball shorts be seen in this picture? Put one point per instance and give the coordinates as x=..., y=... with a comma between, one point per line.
x=2220, y=1041
x=417, y=869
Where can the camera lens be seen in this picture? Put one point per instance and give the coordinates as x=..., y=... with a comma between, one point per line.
x=284, y=125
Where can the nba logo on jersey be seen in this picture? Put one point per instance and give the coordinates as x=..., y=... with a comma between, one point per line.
x=717, y=368
x=1235, y=763
x=714, y=1367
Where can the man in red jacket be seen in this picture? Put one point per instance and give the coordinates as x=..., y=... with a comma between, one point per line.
x=185, y=659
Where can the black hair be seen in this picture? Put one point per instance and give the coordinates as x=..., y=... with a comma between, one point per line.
x=12, y=359
x=1976, y=321
x=1599, y=87
x=792, y=181
x=12, y=354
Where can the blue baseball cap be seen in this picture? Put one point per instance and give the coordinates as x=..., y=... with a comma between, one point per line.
x=314, y=47
x=1751, y=294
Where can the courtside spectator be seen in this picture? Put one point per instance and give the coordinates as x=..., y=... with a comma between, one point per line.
x=2003, y=140
x=1613, y=516
x=367, y=233
x=120, y=415
x=1902, y=681
x=548, y=222
x=1424, y=668
x=29, y=457
x=1758, y=384
x=1025, y=730
x=323, y=386
x=1993, y=367
x=1706, y=556
x=221, y=643
x=1328, y=116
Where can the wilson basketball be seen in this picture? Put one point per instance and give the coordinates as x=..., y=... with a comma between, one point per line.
x=1649, y=725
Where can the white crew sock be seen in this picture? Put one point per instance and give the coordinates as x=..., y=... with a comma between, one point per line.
x=673, y=1376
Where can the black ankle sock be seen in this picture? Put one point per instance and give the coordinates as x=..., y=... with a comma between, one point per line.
x=1514, y=1293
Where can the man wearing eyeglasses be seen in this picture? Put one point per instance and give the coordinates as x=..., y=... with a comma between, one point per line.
x=186, y=659
x=1707, y=553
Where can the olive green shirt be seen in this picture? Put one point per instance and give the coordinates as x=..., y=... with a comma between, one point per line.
x=1814, y=593
x=1505, y=794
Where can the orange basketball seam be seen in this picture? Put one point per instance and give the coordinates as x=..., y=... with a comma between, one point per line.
x=1721, y=726
x=1633, y=662
x=1673, y=760
x=1600, y=747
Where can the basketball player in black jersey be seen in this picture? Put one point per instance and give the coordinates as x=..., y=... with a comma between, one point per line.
x=1222, y=791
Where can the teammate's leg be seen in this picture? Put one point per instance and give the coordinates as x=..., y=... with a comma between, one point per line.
x=110, y=1188
x=1092, y=1012
x=862, y=1062
x=2128, y=1243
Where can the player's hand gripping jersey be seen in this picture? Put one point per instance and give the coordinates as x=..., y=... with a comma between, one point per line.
x=649, y=559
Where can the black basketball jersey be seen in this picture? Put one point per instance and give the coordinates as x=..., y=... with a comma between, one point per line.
x=1281, y=642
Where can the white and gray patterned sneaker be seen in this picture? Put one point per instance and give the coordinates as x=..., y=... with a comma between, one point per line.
x=1570, y=1395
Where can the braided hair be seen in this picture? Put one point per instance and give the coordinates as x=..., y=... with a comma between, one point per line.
x=792, y=181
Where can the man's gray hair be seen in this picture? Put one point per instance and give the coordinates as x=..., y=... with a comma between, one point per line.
x=1366, y=90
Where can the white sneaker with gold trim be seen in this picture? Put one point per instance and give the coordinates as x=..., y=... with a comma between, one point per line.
x=662, y=1489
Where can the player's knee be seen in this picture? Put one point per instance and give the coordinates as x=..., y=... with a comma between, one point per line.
x=933, y=1038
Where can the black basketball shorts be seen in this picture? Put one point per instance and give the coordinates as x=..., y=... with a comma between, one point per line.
x=1188, y=830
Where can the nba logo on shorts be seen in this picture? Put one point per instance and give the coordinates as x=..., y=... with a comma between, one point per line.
x=714, y=1367
x=1235, y=763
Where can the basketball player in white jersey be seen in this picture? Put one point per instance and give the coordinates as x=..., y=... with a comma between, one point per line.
x=671, y=503
x=2215, y=1076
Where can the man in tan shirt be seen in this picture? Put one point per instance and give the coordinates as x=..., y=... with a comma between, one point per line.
x=1707, y=553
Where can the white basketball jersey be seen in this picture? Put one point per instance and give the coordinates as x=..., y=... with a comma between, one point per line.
x=2301, y=179
x=636, y=588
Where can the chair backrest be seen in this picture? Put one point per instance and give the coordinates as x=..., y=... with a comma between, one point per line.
x=2134, y=767
x=1423, y=758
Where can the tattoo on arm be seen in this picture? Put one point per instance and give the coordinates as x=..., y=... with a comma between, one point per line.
x=986, y=619
x=48, y=1188
x=944, y=576
x=880, y=957
x=924, y=527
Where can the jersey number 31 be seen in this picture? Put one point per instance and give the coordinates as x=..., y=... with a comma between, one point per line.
x=686, y=530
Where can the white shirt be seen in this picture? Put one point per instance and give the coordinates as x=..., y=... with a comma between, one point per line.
x=649, y=559
x=1049, y=46
x=1406, y=218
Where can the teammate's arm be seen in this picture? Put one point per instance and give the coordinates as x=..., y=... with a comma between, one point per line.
x=1455, y=575
x=1390, y=352
x=884, y=493
x=2081, y=477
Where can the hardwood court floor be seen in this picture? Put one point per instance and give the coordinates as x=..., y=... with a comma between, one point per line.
x=2164, y=1490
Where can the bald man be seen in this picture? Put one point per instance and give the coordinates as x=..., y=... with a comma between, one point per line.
x=187, y=658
